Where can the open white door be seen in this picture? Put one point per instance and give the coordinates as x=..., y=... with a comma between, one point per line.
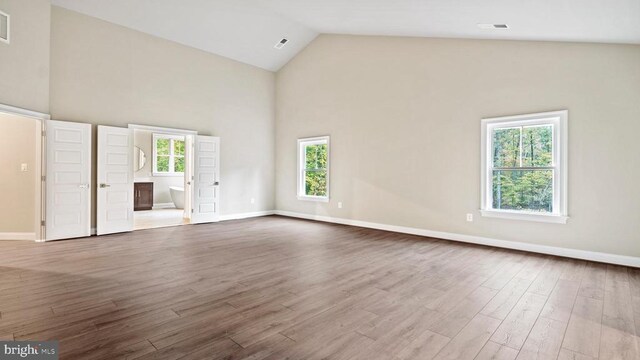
x=115, y=180
x=68, y=179
x=206, y=174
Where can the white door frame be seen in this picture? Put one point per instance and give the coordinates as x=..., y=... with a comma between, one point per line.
x=40, y=168
x=189, y=138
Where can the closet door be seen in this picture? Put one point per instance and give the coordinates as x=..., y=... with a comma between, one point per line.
x=115, y=180
x=67, y=180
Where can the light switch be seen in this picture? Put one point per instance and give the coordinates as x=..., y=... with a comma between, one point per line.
x=24, y=167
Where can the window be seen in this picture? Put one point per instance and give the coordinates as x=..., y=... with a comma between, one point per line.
x=313, y=169
x=5, y=27
x=168, y=155
x=524, y=167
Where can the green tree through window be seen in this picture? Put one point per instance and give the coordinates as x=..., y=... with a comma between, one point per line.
x=522, y=168
x=313, y=165
x=169, y=154
x=315, y=172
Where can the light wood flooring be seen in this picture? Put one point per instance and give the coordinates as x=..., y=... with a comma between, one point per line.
x=152, y=219
x=278, y=288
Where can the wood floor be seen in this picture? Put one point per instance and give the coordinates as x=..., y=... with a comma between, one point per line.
x=277, y=288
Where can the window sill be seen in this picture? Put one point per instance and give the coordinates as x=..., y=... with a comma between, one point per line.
x=517, y=215
x=313, y=198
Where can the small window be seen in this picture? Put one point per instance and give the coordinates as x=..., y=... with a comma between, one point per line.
x=524, y=167
x=168, y=155
x=313, y=169
x=5, y=27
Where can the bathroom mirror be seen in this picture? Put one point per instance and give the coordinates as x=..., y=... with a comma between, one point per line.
x=139, y=159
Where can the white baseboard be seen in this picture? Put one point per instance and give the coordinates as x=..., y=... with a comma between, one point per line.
x=17, y=236
x=246, y=215
x=163, y=206
x=514, y=245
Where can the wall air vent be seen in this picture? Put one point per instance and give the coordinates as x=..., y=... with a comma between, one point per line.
x=5, y=27
x=281, y=44
x=493, y=26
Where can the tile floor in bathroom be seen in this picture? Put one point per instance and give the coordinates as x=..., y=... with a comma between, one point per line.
x=151, y=219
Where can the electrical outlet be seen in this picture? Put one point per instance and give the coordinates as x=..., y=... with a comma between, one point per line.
x=339, y=204
x=24, y=167
x=469, y=217
x=253, y=201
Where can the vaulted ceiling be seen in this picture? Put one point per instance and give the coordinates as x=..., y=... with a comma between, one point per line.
x=247, y=30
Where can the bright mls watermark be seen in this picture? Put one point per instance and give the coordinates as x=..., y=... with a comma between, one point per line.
x=45, y=350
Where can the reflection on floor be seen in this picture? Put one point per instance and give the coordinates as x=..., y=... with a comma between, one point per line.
x=158, y=218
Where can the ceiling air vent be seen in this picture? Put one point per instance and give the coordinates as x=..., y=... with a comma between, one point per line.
x=4, y=27
x=493, y=26
x=281, y=44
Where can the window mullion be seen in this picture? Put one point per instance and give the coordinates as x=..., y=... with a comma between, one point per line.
x=520, y=149
x=172, y=167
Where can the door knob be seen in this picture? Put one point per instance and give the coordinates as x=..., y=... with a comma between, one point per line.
x=216, y=183
x=105, y=185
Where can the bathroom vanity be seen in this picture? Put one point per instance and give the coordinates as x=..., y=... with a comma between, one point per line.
x=142, y=196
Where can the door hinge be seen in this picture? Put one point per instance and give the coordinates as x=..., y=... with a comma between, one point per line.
x=192, y=211
x=42, y=223
x=44, y=133
x=44, y=178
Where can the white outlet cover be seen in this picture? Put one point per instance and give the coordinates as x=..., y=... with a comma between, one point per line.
x=24, y=167
x=339, y=204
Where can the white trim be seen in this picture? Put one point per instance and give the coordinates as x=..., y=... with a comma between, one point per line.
x=168, y=205
x=300, y=178
x=246, y=215
x=163, y=130
x=313, y=198
x=12, y=110
x=559, y=121
x=8, y=39
x=17, y=236
x=528, y=216
x=514, y=245
x=40, y=185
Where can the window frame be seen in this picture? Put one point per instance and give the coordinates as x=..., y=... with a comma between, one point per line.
x=172, y=155
x=558, y=119
x=8, y=39
x=302, y=143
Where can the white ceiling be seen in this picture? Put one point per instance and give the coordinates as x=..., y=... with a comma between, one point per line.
x=247, y=30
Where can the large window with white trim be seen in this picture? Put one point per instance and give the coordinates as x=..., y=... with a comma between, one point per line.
x=168, y=155
x=313, y=168
x=524, y=167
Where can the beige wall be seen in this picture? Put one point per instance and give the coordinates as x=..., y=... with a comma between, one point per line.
x=24, y=64
x=404, y=119
x=17, y=146
x=144, y=140
x=106, y=74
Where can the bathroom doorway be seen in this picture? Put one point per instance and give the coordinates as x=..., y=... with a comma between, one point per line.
x=163, y=170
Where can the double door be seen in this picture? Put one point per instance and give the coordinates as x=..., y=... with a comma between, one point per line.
x=69, y=186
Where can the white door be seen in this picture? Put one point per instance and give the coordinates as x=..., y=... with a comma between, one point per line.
x=206, y=179
x=67, y=180
x=115, y=180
